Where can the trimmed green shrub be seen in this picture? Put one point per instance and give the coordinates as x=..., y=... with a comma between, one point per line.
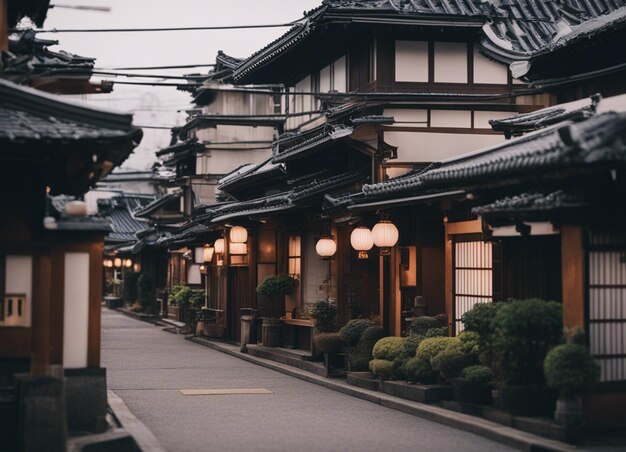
x=388, y=348
x=421, y=325
x=351, y=332
x=419, y=368
x=130, y=285
x=457, y=355
x=180, y=295
x=571, y=370
x=479, y=374
x=437, y=332
x=329, y=343
x=324, y=314
x=276, y=286
x=442, y=319
x=360, y=356
x=382, y=368
x=524, y=332
x=409, y=347
x=479, y=320
x=144, y=288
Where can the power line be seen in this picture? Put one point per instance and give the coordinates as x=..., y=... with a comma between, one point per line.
x=142, y=68
x=158, y=29
x=185, y=85
x=122, y=74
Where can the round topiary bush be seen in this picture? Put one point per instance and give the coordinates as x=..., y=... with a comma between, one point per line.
x=351, y=332
x=409, y=347
x=479, y=320
x=373, y=333
x=324, y=314
x=442, y=319
x=571, y=370
x=524, y=332
x=382, y=368
x=480, y=374
x=388, y=348
x=329, y=343
x=421, y=325
x=437, y=332
x=451, y=361
x=360, y=356
x=419, y=368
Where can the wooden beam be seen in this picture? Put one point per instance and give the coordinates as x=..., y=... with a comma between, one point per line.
x=574, y=276
x=4, y=25
x=41, y=299
x=96, y=252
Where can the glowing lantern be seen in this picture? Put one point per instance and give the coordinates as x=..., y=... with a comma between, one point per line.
x=237, y=249
x=128, y=263
x=326, y=247
x=238, y=234
x=219, y=246
x=362, y=241
x=207, y=253
x=117, y=262
x=385, y=235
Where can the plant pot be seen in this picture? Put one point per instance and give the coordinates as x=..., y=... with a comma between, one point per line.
x=569, y=413
x=468, y=391
x=271, y=332
x=272, y=307
x=527, y=400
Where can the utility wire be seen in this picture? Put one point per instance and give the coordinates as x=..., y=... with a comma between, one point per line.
x=158, y=29
x=141, y=68
x=127, y=74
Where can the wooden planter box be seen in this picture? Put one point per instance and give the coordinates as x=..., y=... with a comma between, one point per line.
x=418, y=393
x=173, y=312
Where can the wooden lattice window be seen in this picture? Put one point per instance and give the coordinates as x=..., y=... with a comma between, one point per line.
x=473, y=275
x=607, y=303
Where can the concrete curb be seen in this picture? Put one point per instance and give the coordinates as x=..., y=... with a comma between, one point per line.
x=496, y=432
x=144, y=438
x=133, y=315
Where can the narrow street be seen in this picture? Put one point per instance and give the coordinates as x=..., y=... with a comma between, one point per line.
x=147, y=367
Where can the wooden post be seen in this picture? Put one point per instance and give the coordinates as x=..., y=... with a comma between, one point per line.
x=4, y=25
x=40, y=330
x=96, y=251
x=574, y=276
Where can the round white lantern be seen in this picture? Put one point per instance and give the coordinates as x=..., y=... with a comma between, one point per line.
x=237, y=249
x=207, y=253
x=362, y=241
x=117, y=262
x=128, y=263
x=326, y=247
x=238, y=234
x=219, y=246
x=385, y=234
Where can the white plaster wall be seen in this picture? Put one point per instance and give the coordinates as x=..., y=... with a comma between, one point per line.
x=340, y=78
x=488, y=71
x=411, y=61
x=421, y=147
x=223, y=162
x=76, y=310
x=325, y=79
x=19, y=280
x=417, y=118
x=451, y=118
x=481, y=118
x=451, y=62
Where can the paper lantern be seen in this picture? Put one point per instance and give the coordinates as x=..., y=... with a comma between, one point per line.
x=237, y=249
x=362, y=241
x=117, y=262
x=326, y=247
x=238, y=234
x=385, y=235
x=128, y=263
x=207, y=253
x=219, y=246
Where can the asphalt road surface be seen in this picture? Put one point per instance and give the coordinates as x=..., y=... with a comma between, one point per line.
x=147, y=367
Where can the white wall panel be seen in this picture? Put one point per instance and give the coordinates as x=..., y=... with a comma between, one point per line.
x=325, y=79
x=340, y=78
x=450, y=62
x=451, y=118
x=411, y=61
x=19, y=280
x=76, y=310
x=488, y=71
x=417, y=118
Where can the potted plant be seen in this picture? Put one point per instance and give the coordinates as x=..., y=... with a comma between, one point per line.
x=272, y=293
x=385, y=352
x=324, y=313
x=571, y=370
x=331, y=346
x=524, y=332
x=474, y=385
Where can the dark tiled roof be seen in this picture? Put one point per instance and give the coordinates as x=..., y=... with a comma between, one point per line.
x=597, y=140
x=144, y=212
x=316, y=141
x=36, y=10
x=28, y=115
x=512, y=30
x=322, y=186
x=119, y=210
x=181, y=147
x=532, y=202
x=200, y=121
x=250, y=173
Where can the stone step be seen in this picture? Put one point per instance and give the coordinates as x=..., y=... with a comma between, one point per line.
x=288, y=357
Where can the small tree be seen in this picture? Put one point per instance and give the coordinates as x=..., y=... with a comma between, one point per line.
x=144, y=289
x=273, y=290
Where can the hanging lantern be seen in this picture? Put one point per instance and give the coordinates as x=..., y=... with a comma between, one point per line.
x=385, y=235
x=237, y=249
x=108, y=263
x=128, y=263
x=238, y=234
x=117, y=262
x=326, y=247
x=203, y=268
x=207, y=253
x=219, y=246
x=362, y=241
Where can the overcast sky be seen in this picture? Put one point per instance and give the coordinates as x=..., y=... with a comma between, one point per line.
x=161, y=106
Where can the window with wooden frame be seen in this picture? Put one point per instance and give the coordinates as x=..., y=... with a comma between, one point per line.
x=15, y=290
x=606, y=311
x=472, y=275
x=295, y=256
x=266, y=254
